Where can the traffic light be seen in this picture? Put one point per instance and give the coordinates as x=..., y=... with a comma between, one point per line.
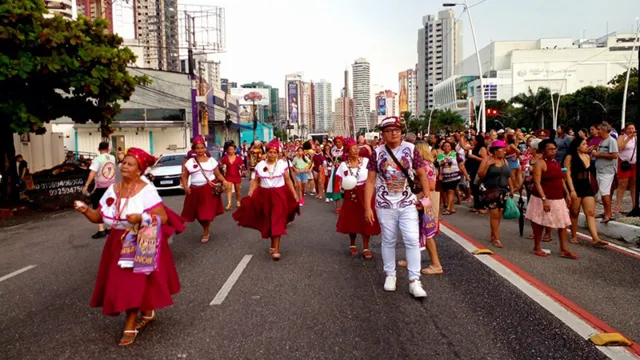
x=492, y=112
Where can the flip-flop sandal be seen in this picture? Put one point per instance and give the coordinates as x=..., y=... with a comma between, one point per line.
x=574, y=241
x=530, y=236
x=568, y=255
x=367, y=254
x=353, y=250
x=204, y=239
x=127, y=339
x=496, y=243
x=402, y=263
x=605, y=220
x=600, y=244
x=540, y=253
x=447, y=212
x=475, y=211
x=432, y=271
x=275, y=256
x=272, y=250
x=546, y=238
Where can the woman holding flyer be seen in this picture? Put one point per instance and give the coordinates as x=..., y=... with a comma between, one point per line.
x=136, y=274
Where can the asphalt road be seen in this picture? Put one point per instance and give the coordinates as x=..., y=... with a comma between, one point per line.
x=315, y=303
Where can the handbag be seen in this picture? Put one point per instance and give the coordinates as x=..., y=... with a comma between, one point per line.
x=625, y=165
x=217, y=188
x=491, y=194
x=415, y=187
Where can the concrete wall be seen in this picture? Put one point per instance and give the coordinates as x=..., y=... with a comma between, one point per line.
x=41, y=151
x=153, y=140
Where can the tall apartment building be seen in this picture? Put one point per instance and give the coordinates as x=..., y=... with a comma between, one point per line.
x=306, y=108
x=282, y=109
x=412, y=89
x=323, y=110
x=439, y=50
x=62, y=8
x=157, y=29
x=362, y=93
x=343, y=117
x=94, y=9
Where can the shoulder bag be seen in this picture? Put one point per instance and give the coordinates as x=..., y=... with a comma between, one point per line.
x=491, y=194
x=217, y=187
x=626, y=165
x=415, y=187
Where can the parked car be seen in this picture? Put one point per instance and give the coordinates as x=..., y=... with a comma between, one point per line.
x=166, y=171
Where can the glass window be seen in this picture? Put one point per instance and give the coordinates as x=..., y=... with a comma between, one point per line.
x=170, y=160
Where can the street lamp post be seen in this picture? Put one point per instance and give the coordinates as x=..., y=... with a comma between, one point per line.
x=626, y=83
x=429, y=124
x=602, y=106
x=483, y=119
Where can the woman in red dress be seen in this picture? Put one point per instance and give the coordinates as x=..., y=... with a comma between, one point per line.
x=272, y=202
x=351, y=219
x=118, y=288
x=232, y=166
x=200, y=203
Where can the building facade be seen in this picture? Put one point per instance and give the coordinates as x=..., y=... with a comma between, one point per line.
x=386, y=105
x=323, y=107
x=157, y=28
x=412, y=85
x=343, y=117
x=62, y=8
x=361, y=88
x=439, y=50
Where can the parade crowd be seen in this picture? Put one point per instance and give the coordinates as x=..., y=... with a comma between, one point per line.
x=397, y=182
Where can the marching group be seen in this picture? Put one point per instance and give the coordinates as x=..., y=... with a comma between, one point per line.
x=397, y=182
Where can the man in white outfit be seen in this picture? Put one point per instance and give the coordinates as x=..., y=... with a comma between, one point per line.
x=395, y=203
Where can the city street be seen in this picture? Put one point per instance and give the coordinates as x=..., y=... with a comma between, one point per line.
x=318, y=302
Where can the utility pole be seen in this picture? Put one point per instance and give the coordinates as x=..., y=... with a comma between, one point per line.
x=190, y=30
x=636, y=211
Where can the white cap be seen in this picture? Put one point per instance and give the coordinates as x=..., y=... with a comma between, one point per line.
x=501, y=131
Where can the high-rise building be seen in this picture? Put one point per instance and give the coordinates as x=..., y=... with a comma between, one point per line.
x=94, y=9
x=306, y=108
x=62, y=8
x=361, y=93
x=282, y=109
x=157, y=28
x=412, y=87
x=439, y=50
x=323, y=107
x=403, y=90
x=386, y=104
x=208, y=69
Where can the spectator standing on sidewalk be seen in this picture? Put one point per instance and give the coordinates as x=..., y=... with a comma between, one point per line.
x=606, y=166
x=562, y=140
x=103, y=171
x=627, y=144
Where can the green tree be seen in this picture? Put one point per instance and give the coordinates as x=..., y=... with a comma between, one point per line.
x=446, y=120
x=52, y=67
x=536, y=108
x=587, y=106
x=614, y=109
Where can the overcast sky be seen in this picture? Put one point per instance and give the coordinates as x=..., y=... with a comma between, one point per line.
x=267, y=39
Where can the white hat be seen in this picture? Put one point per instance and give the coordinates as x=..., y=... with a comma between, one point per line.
x=501, y=131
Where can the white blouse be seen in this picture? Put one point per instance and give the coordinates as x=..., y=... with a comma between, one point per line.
x=362, y=172
x=197, y=179
x=144, y=201
x=272, y=177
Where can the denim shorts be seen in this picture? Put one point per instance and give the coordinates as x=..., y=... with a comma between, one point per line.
x=302, y=177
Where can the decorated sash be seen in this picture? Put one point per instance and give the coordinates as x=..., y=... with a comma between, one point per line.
x=429, y=225
x=147, y=254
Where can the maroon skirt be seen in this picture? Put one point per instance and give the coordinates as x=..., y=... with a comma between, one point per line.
x=119, y=289
x=174, y=221
x=267, y=210
x=201, y=205
x=351, y=219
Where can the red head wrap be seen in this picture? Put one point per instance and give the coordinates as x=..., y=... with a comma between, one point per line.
x=274, y=144
x=348, y=143
x=142, y=157
x=198, y=140
x=338, y=138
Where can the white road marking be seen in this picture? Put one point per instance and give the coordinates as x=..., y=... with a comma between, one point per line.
x=17, y=272
x=563, y=314
x=226, y=288
x=622, y=248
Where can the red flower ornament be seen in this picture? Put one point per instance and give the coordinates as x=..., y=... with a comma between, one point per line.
x=346, y=173
x=195, y=166
x=110, y=201
x=266, y=169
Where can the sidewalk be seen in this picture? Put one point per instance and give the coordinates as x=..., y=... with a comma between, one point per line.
x=599, y=281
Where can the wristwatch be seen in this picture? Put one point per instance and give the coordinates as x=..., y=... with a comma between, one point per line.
x=544, y=198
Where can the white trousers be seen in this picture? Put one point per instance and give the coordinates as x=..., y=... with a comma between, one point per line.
x=406, y=220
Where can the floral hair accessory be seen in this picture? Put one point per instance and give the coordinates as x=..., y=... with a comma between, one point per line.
x=110, y=201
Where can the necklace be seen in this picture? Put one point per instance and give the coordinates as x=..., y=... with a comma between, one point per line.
x=271, y=170
x=354, y=195
x=121, y=209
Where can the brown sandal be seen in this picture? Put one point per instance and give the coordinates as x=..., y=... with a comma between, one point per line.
x=145, y=320
x=367, y=254
x=126, y=339
x=353, y=250
x=432, y=271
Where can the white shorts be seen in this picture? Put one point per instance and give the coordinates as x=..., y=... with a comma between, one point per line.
x=604, y=183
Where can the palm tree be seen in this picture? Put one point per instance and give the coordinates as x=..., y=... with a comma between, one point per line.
x=534, y=105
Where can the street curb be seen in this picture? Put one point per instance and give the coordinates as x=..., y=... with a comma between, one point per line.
x=615, y=230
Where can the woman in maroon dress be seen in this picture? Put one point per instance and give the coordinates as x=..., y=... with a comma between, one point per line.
x=351, y=219
x=232, y=166
x=200, y=203
x=119, y=288
x=364, y=150
x=272, y=202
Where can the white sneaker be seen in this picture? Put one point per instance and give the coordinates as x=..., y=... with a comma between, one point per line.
x=327, y=200
x=390, y=283
x=415, y=288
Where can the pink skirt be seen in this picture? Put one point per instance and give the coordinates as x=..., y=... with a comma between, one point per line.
x=557, y=218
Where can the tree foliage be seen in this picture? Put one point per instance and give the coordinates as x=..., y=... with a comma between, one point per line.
x=52, y=67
